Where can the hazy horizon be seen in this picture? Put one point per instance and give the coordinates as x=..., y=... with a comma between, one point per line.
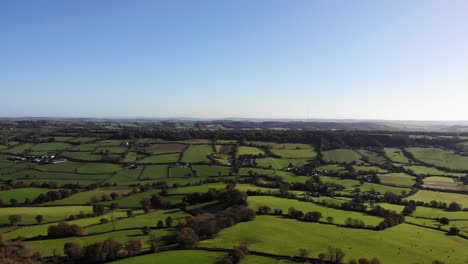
x=385, y=60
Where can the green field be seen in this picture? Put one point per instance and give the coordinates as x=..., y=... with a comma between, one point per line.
x=440, y=157
x=99, y=168
x=85, y=197
x=163, y=158
x=294, y=153
x=427, y=196
x=371, y=156
x=68, y=166
x=365, y=168
x=400, y=244
x=55, y=213
x=197, y=153
x=176, y=257
x=400, y=179
x=342, y=155
x=279, y=164
x=423, y=170
x=210, y=171
x=19, y=149
x=396, y=155
x=21, y=194
x=50, y=147
x=246, y=150
x=155, y=172
x=85, y=156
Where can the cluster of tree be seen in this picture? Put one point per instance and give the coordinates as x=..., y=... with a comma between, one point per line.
x=104, y=197
x=156, y=202
x=236, y=254
x=16, y=251
x=409, y=208
x=373, y=260
x=228, y=196
x=64, y=229
x=52, y=196
x=391, y=219
x=107, y=250
x=355, y=223
x=207, y=225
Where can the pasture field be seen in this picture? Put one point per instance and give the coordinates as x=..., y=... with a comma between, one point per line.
x=368, y=186
x=197, y=153
x=444, y=183
x=20, y=148
x=133, y=200
x=68, y=166
x=399, y=179
x=84, y=147
x=423, y=170
x=155, y=172
x=279, y=164
x=366, y=168
x=331, y=167
x=434, y=213
x=427, y=196
x=112, y=150
x=180, y=171
x=83, y=140
x=246, y=150
x=372, y=157
x=21, y=194
x=274, y=145
x=130, y=157
x=162, y=158
x=81, y=155
x=342, y=155
x=440, y=157
x=294, y=153
x=86, y=197
x=99, y=168
x=51, y=214
x=150, y=219
x=396, y=155
x=176, y=257
x=48, y=147
x=200, y=188
x=211, y=170
x=401, y=244
x=339, y=216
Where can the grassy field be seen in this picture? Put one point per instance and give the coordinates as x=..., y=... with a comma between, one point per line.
x=294, y=153
x=55, y=213
x=246, y=150
x=197, y=153
x=399, y=179
x=21, y=194
x=440, y=157
x=19, y=149
x=396, y=155
x=86, y=196
x=155, y=172
x=444, y=183
x=180, y=172
x=423, y=170
x=427, y=196
x=279, y=164
x=99, y=168
x=210, y=171
x=68, y=166
x=399, y=244
x=367, y=168
x=163, y=158
x=339, y=216
x=342, y=155
x=434, y=213
x=176, y=257
x=86, y=156
x=371, y=156
x=50, y=147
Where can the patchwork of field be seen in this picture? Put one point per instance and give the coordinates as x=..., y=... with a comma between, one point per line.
x=399, y=179
x=396, y=155
x=440, y=157
x=428, y=196
x=197, y=153
x=342, y=155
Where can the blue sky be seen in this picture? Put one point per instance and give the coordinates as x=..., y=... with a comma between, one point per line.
x=400, y=60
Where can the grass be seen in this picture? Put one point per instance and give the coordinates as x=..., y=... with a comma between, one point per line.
x=86, y=196
x=246, y=150
x=440, y=157
x=21, y=194
x=99, y=168
x=47, y=147
x=149, y=219
x=342, y=155
x=210, y=171
x=365, y=168
x=371, y=156
x=434, y=213
x=155, y=172
x=176, y=257
x=134, y=200
x=400, y=244
x=427, y=196
x=130, y=157
x=279, y=164
x=55, y=213
x=295, y=153
x=113, y=150
x=396, y=155
x=163, y=158
x=399, y=179
x=85, y=147
x=86, y=156
x=180, y=172
x=438, y=179
x=200, y=188
x=339, y=216
x=19, y=149
x=423, y=170
x=68, y=166
x=197, y=154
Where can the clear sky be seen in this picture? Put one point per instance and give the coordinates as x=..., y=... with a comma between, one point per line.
x=386, y=59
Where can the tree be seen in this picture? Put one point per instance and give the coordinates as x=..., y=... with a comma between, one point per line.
x=312, y=216
x=335, y=255
x=98, y=209
x=186, y=237
x=114, y=195
x=438, y=261
x=160, y=224
x=114, y=206
x=73, y=250
x=444, y=220
x=39, y=219
x=13, y=202
x=363, y=261
x=133, y=247
x=375, y=260
x=146, y=230
x=14, y=219
x=110, y=249
x=453, y=231
x=146, y=205
x=454, y=206
x=129, y=213
x=303, y=253
x=330, y=220
x=169, y=221
x=155, y=242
